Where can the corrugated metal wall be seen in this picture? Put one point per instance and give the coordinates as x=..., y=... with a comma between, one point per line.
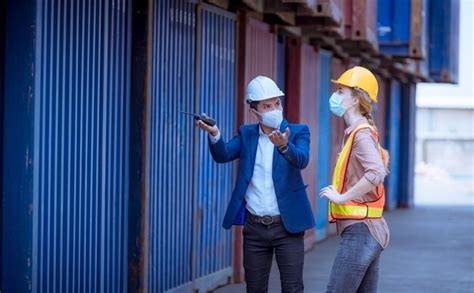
x=444, y=40
x=401, y=26
x=80, y=155
x=337, y=124
x=2, y=79
x=392, y=139
x=407, y=146
x=324, y=139
x=281, y=65
x=217, y=98
x=18, y=131
x=302, y=106
x=379, y=111
x=170, y=189
x=360, y=21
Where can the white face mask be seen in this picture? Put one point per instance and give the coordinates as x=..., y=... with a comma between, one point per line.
x=271, y=119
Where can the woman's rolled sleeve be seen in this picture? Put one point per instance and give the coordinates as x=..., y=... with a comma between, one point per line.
x=366, y=151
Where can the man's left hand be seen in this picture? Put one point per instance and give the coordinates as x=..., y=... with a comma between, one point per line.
x=279, y=139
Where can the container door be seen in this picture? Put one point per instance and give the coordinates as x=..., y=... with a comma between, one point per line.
x=324, y=139
x=213, y=245
x=393, y=143
x=170, y=170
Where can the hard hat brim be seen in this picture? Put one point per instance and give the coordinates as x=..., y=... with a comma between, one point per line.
x=372, y=100
x=338, y=82
x=280, y=94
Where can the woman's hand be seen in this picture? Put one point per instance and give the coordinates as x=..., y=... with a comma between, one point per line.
x=331, y=194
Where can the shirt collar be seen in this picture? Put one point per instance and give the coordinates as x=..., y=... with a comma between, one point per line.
x=358, y=122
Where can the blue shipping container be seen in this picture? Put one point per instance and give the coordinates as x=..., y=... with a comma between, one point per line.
x=170, y=158
x=407, y=146
x=324, y=140
x=444, y=40
x=76, y=160
x=392, y=141
x=2, y=79
x=213, y=245
x=401, y=26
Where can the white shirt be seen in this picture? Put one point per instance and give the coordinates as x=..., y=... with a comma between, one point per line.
x=260, y=197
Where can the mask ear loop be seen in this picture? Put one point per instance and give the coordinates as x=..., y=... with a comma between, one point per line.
x=256, y=112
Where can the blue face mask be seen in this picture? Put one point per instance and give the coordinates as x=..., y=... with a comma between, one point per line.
x=335, y=104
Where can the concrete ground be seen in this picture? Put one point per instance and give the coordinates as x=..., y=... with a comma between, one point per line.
x=431, y=250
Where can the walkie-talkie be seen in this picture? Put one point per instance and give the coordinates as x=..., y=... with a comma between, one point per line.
x=204, y=118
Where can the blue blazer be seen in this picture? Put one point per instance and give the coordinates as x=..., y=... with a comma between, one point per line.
x=295, y=209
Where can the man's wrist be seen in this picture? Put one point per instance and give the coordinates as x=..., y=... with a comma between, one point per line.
x=283, y=148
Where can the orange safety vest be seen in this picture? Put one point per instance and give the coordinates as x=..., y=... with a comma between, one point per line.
x=352, y=209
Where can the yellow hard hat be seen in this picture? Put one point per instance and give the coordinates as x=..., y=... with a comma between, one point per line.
x=359, y=77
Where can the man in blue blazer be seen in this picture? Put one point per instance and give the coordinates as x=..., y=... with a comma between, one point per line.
x=270, y=197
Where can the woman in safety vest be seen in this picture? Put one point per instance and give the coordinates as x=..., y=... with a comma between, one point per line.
x=356, y=196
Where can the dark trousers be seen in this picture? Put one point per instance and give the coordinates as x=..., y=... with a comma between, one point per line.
x=260, y=242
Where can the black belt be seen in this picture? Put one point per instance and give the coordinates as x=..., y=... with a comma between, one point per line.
x=265, y=220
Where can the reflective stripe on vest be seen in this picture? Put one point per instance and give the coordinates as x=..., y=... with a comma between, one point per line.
x=352, y=209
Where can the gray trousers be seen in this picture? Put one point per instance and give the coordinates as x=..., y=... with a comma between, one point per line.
x=260, y=242
x=356, y=266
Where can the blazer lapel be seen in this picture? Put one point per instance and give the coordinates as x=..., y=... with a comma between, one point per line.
x=253, y=147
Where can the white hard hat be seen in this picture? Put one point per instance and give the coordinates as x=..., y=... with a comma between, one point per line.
x=262, y=88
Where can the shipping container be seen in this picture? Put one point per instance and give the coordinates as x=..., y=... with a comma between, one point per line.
x=2, y=79
x=170, y=157
x=213, y=245
x=72, y=109
x=392, y=139
x=281, y=64
x=379, y=110
x=444, y=40
x=302, y=108
x=18, y=130
x=401, y=26
x=337, y=124
x=324, y=140
x=331, y=10
x=305, y=7
x=360, y=24
x=257, y=56
x=407, y=146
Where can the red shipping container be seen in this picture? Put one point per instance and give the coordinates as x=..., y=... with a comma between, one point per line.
x=360, y=22
x=301, y=96
x=337, y=124
x=257, y=56
x=380, y=109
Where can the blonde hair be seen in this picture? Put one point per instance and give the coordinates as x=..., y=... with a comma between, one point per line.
x=365, y=108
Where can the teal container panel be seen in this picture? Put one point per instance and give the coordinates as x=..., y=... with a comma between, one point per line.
x=392, y=141
x=217, y=98
x=324, y=140
x=81, y=110
x=170, y=167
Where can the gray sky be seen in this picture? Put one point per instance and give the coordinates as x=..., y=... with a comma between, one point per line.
x=462, y=93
